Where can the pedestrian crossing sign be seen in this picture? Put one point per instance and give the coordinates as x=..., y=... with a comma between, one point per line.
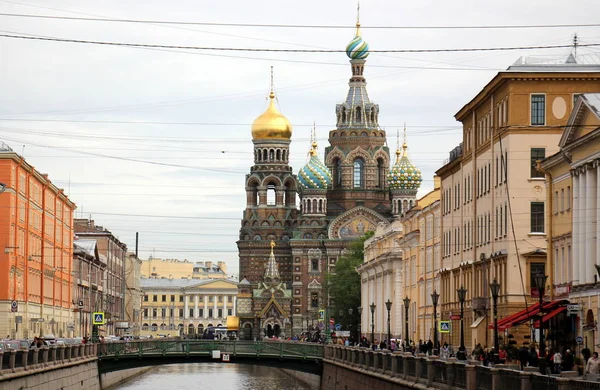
x=98, y=318
x=444, y=326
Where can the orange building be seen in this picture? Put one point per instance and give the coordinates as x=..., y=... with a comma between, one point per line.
x=36, y=233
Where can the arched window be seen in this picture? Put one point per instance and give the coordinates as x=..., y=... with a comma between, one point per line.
x=278, y=154
x=337, y=173
x=271, y=154
x=358, y=115
x=343, y=114
x=271, y=194
x=359, y=173
x=380, y=173
x=264, y=155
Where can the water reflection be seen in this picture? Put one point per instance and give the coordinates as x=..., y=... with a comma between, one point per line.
x=217, y=376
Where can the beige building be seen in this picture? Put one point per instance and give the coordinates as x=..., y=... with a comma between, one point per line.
x=573, y=189
x=133, y=293
x=494, y=198
x=186, y=306
x=177, y=269
x=402, y=260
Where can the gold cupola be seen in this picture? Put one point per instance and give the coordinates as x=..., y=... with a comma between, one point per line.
x=271, y=124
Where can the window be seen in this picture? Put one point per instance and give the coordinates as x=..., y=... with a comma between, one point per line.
x=181, y=298
x=537, y=154
x=538, y=110
x=191, y=313
x=314, y=265
x=155, y=298
x=568, y=199
x=359, y=167
x=229, y=312
x=172, y=298
x=210, y=298
x=562, y=200
x=338, y=173
x=145, y=313
x=380, y=173
x=229, y=298
x=201, y=312
x=163, y=313
x=220, y=298
x=271, y=194
x=145, y=298
x=154, y=312
x=210, y=313
x=180, y=313
x=164, y=298
x=314, y=300
x=555, y=203
x=220, y=313
x=537, y=217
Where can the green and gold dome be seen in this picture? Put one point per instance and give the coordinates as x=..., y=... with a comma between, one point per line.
x=404, y=175
x=314, y=175
x=358, y=48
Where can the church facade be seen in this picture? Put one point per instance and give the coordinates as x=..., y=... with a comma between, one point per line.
x=286, y=250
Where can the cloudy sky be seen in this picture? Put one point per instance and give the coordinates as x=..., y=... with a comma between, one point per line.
x=157, y=140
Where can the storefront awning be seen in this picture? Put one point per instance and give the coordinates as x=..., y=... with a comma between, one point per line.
x=548, y=316
x=550, y=308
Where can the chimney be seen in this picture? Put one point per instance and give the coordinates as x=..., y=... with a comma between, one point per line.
x=208, y=264
x=223, y=266
x=437, y=182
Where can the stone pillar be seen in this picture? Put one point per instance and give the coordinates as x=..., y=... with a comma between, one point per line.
x=496, y=378
x=430, y=370
x=45, y=356
x=234, y=310
x=186, y=307
x=471, y=377
x=74, y=351
x=215, y=309
x=563, y=383
x=450, y=364
x=525, y=381
x=590, y=225
x=575, y=234
x=205, y=307
x=361, y=358
x=582, y=224
x=395, y=364
x=196, y=312
x=12, y=360
x=61, y=353
x=82, y=350
x=52, y=357
x=407, y=356
x=36, y=354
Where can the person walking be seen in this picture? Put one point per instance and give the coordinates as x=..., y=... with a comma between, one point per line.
x=593, y=365
x=557, y=362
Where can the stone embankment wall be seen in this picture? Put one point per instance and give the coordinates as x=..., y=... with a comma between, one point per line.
x=111, y=380
x=68, y=376
x=311, y=380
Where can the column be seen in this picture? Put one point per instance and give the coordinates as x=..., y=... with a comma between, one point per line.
x=575, y=232
x=590, y=225
x=234, y=309
x=196, y=306
x=205, y=307
x=186, y=311
x=582, y=198
x=215, y=311
x=597, y=163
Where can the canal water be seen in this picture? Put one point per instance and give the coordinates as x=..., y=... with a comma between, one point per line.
x=213, y=376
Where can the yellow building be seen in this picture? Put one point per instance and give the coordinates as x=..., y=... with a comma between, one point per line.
x=494, y=198
x=186, y=306
x=177, y=269
x=573, y=189
x=402, y=260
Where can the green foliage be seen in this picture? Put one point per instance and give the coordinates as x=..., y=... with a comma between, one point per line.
x=344, y=284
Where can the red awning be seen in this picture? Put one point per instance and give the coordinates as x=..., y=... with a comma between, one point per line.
x=551, y=308
x=548, y=316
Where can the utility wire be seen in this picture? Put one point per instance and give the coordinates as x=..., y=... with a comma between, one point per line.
x=126, y=44
x=322, y=26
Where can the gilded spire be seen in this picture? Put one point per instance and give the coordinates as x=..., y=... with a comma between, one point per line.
x=358, y=20
x=398, y=146
x=272, y=272
x=271, y=124
x=272, y=90
x=313, y=141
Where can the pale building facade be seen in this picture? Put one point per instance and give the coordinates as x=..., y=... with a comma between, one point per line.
x=573, y=183
x=133, y=293
x=177, y=269
x=494, y=198
x=186, y=306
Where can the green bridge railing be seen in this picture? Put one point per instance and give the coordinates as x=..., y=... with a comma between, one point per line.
x=177, y=347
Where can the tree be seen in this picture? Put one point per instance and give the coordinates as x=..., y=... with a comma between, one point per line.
x=344, y=283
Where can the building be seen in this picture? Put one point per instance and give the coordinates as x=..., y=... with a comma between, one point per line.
x=113, y=285
x=133, y=293
x=402, y=260
x=88, y=274
x=342, y=197
x=573, y=199
x=186, y=306
x=494, y=199
x=35, y=265
x=177, y=269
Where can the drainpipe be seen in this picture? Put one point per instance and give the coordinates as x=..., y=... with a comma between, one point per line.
x=549, y=211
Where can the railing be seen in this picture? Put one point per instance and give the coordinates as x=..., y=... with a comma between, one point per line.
x=17, y=360
x=406, y=369
x=162, y=347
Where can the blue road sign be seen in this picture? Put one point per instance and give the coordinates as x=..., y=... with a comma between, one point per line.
x=444, y=326
x=98, y=318
x=338, y=326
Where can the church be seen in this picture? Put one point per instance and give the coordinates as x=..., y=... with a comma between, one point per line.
x=286, y=250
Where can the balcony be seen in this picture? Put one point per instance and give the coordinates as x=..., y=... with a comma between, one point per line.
x=480, y=303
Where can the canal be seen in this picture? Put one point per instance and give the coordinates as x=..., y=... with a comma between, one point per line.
x=213, y=376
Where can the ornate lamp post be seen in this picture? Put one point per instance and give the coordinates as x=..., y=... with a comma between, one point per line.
x=372, y=306
x=462, y=293
x=350, y=323
x=540, y=281
x=495, y=288
x=388, y=306
x=434, y=299
x=359, y=324
x=406, y=306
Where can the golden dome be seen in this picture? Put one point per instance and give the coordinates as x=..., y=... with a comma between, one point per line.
x=271, y=124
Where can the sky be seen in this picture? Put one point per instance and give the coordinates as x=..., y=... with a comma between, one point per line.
x=157, y=140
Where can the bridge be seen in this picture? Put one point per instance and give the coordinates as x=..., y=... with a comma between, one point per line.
x=298, y=356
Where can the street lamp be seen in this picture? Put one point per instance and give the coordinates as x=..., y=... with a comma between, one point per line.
x=540, y=281
x=372, y=323
x=350, y=324
x=495, y=288
x=462, y=293
x=406, y=306
x=359, y=324
x=388, y=306
x=434, y=299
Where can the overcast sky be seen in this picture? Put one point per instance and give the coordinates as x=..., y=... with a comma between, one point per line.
x=73, y=110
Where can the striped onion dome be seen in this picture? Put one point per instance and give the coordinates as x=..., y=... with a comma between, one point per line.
x=358, y=48
x=404, y=175
x=314, y=175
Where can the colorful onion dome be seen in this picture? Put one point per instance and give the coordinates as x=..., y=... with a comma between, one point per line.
x=358, y=48
x=271, y=124
x=404, y=175
x=314, y=175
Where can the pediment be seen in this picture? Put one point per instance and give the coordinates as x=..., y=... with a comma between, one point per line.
x=355, y=223
x=584, y=119
x=314, y=285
